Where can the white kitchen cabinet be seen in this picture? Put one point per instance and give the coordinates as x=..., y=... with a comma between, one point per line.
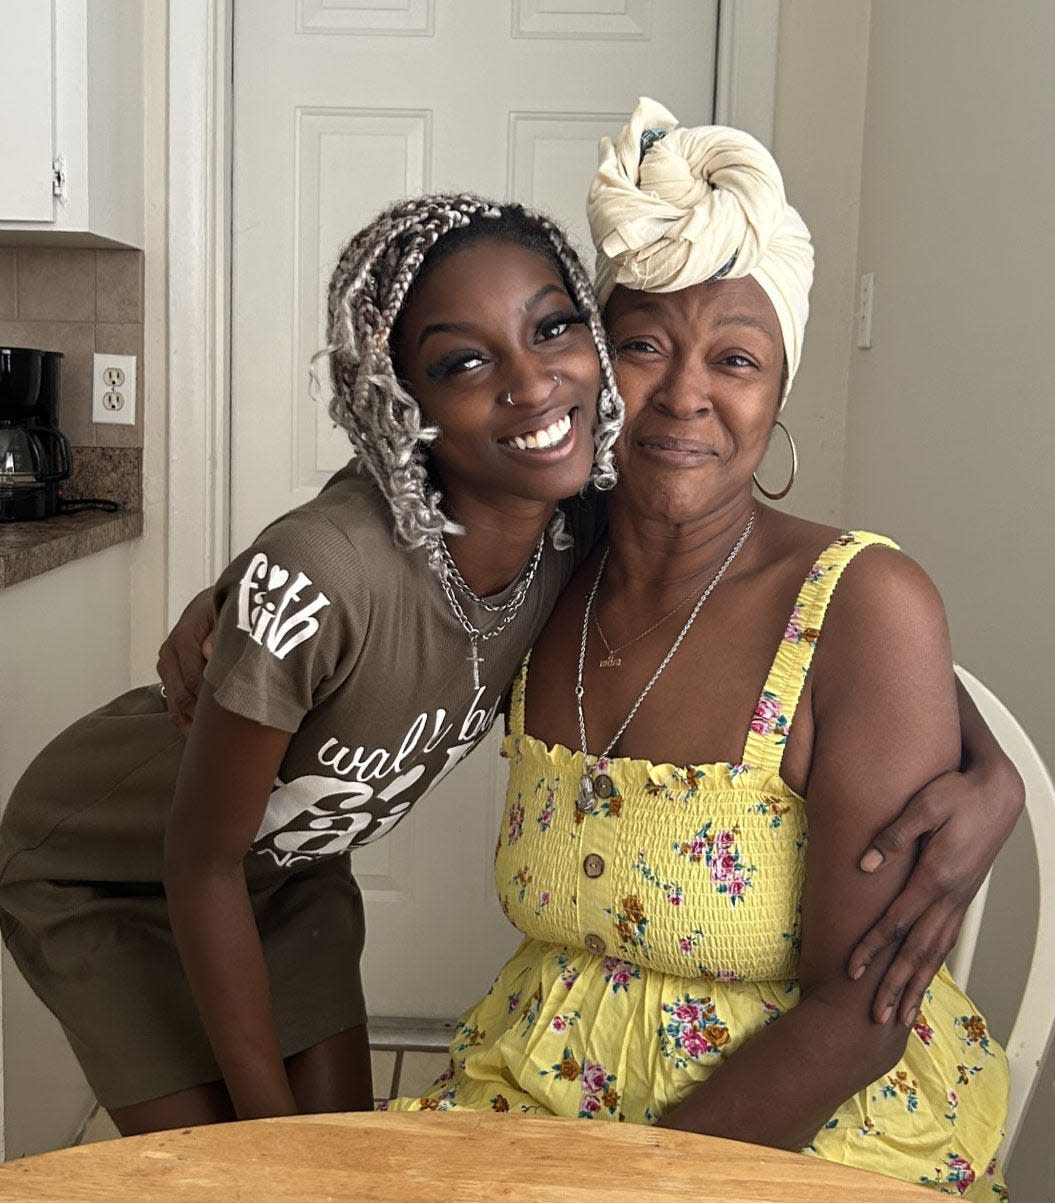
x=71, y=122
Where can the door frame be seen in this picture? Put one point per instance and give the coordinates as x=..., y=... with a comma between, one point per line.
x=200, y=70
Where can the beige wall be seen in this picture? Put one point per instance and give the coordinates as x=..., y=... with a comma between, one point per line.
x=951, y=435
x=149, y=566
x=820, y=106
x=903, y=129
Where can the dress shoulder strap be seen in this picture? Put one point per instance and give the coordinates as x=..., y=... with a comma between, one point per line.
x=517, y=696
x=775, y=712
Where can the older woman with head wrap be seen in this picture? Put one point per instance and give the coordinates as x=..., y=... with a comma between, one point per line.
x=685, y=951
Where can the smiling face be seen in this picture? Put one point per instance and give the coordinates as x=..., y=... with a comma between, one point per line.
x=700, y=371
x=489, y=321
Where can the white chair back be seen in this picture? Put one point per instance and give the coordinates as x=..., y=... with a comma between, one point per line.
x=1032, y=1031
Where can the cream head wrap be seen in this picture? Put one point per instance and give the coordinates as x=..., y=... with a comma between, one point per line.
x=689, y=205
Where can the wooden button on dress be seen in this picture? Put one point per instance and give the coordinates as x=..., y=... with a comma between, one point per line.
x=603, y=786
x=594, y=945
x=593, y=865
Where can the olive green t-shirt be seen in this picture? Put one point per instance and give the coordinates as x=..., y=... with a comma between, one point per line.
x=328, y=630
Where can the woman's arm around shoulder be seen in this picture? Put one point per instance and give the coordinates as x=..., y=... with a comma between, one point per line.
x=960, y=821
x=882, y=720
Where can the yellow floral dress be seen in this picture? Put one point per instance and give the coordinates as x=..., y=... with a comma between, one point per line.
x=662, y=932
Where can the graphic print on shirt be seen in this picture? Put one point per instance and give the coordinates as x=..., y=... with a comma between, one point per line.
x=265, y=595
x=319, y=815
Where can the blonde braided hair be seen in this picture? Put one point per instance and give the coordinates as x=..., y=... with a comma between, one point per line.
x=369, y=287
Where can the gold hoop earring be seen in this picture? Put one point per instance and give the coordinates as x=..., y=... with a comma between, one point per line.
x=794, y=468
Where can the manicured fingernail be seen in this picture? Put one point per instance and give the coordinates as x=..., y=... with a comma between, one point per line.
x=871, y=860
x=886, y=1014
x=909, y=1018
x=859, y=972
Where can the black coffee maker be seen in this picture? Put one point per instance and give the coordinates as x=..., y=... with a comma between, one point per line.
x=34, y=453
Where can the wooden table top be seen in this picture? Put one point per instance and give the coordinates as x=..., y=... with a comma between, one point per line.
x=464, y=1158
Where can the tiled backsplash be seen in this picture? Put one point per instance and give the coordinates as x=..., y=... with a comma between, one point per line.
x=77, y=301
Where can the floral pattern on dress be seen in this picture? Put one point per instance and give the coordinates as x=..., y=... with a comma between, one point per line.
x=900, y=1085
x=923, y=1030
x=795, y=632
x=561, y=1023
x=679, y=784
x=569, y=973
x=774, y=809
x=531, y=1011
x=631, y=922
x=692, y=1030
x=619, y=974
x=611, y=808
x=596, y=1086
x=975, y=1032
x=672, y=891
x=520, y=881
x=598, y=1091
x=547, y=791
x=690, y=942
x=719, y=850
x=770, y=719
x=516, y=821
x=956, y=1172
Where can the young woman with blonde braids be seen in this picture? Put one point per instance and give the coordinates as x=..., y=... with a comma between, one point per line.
x=357, y=659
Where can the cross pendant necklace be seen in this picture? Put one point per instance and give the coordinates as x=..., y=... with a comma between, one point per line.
x=476, y=659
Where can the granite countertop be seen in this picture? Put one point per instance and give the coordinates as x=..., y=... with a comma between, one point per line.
x=30, y=548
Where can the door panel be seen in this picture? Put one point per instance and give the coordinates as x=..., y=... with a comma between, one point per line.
x=341, y=106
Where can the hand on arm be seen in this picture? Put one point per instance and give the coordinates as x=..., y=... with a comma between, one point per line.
x=884, y=716
x=963, y=818
x=226, y=776
x=182, y=658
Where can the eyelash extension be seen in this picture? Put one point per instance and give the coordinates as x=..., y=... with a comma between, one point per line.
x=574, y=317
x=439, y=371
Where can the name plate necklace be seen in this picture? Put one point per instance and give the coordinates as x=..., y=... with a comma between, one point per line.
x=587, y=782
x=450, y=578
x=613, y=660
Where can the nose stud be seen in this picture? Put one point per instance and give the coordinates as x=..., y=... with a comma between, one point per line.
x=557, y=382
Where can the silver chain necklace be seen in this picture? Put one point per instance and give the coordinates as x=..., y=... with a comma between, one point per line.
x=461, y=583
x=586, y=783
x=509, y=609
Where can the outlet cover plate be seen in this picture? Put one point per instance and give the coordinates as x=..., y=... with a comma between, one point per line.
x=114, y=389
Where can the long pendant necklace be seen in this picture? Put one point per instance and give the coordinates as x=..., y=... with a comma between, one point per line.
x=509, y=609
x=586, y=783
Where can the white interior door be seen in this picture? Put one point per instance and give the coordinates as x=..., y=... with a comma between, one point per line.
x=341, y=106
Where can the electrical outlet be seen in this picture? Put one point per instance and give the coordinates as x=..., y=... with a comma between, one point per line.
x=114, y=389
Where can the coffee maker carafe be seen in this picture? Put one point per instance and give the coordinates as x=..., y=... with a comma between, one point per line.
x=34, y=453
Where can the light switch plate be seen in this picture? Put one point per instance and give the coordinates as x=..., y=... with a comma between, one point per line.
x=114, y=389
